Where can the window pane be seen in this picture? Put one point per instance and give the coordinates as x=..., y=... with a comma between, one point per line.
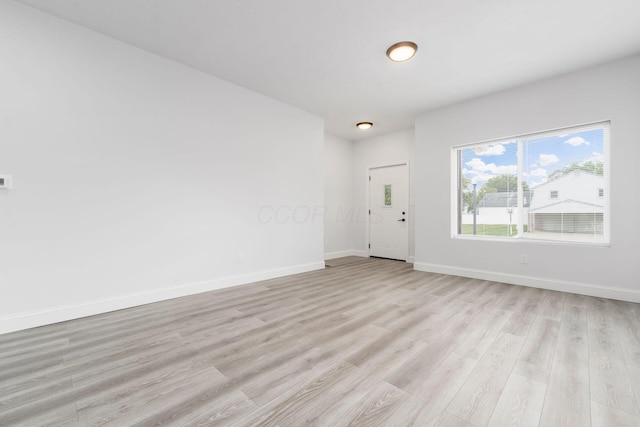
x=566, y=174
x=387, y=196
x=493, y=170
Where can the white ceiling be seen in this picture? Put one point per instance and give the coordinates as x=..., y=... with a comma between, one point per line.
x=328, y=56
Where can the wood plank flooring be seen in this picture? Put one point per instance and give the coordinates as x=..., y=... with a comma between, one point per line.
x=362, y=342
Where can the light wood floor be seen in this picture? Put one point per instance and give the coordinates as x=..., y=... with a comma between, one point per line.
x=369, y=342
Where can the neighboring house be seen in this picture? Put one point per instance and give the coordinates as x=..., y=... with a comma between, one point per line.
x=573, y=203
x=499, y=208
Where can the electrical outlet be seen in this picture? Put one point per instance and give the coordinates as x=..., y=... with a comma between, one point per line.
x=239, y=258
x=524, y=259
x=5, y=181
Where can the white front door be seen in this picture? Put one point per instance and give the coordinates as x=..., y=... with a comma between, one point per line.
x=389, y=212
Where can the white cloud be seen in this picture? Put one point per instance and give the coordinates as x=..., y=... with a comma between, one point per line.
x=483, y=177
x=479, y=167
x=536, y=173
x=476, y=165
x=489, y=150
x=547, y=159
x=577, y=141
x=596, y=157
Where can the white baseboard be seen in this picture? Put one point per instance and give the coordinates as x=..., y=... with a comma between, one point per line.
x=353, y=252
x=534, y=282
x=339, y=254
x=342, y=254
x=34, y=319
x=364, y=254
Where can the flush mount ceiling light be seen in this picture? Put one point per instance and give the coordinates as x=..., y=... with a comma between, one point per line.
x=402, y=51
x=364, y=125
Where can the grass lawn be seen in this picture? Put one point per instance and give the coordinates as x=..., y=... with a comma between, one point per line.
x=491, y=229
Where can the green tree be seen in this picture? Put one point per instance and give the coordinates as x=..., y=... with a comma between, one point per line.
x=497, y=184
x=588, y=166
x=503, y=184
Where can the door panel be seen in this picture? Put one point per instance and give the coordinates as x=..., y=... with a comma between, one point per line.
x=389, y=217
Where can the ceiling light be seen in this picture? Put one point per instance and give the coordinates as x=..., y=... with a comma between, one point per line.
x=364, y=125
x=402, y=51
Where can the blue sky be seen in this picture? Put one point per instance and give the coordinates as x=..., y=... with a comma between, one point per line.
x=541, y=156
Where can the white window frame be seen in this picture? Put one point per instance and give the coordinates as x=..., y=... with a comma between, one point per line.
x=605, y=125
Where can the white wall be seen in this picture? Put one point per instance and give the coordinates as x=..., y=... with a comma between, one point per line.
x=610, y=91
x=388, y=149
x=138, y=179
x=339, y=206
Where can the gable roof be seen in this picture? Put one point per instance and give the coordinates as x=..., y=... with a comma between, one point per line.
x=574, y=173
x=577, y=192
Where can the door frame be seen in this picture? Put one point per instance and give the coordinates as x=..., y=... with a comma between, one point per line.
x=368, y=215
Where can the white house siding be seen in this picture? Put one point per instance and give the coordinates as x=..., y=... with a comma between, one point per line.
x=578, y=207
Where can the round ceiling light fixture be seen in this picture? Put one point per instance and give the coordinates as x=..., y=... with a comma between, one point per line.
x=364, y=125
x=402, y=51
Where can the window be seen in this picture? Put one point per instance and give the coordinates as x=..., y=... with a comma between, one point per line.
x=544, y=186
x=387, y=196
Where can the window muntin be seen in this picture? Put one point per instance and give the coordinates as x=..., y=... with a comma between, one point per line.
x=563, y=197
